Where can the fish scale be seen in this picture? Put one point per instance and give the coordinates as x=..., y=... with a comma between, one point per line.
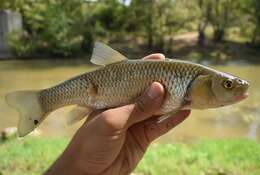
x=120, y=81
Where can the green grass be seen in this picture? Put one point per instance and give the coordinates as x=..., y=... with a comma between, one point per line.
x=29, y=156
x=207, y=157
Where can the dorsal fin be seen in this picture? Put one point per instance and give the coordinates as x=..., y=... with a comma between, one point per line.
x=103, y=55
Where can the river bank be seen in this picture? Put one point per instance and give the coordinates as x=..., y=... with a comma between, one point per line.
x=233, y=50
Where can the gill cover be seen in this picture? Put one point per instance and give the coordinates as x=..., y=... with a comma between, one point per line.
x=201, y=94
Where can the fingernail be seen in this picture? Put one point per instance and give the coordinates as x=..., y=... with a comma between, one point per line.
x=162, y=56
x=153, y=93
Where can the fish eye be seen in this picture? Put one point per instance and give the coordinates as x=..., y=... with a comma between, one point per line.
x=228, y=84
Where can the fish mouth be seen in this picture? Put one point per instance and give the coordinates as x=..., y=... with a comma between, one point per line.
x=242, y=97
x=243, y=92
x=237, y=99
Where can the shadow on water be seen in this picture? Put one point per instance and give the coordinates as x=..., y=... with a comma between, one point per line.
x=240, y=120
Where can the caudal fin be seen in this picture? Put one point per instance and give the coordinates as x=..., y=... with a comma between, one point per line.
x=30, y=110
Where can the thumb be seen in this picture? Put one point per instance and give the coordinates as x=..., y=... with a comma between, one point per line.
x=146, y=105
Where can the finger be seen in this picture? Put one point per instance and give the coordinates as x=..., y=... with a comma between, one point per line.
x=153, y=129
x=147, y=104
x=94, y=114
x=144, y=107
x=155, y=56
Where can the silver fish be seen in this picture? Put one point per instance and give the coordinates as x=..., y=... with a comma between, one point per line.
x=120, y=81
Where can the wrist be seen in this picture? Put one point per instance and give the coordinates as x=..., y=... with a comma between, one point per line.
x=67, y=164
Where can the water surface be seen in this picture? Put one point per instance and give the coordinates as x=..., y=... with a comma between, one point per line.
x=240, y=120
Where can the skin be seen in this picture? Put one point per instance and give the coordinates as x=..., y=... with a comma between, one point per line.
x=113, y=142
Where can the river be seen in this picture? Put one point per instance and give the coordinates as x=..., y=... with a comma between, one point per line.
x=236, y=121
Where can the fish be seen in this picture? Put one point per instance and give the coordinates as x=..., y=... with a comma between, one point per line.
x=119, y=81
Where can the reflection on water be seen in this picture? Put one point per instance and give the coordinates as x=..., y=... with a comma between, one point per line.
x=240, y=120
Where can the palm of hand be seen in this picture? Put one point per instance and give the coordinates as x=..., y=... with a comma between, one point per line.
x=116, y=148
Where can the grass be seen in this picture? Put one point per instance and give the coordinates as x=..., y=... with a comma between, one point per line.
x=207, y=157
x=29, y=156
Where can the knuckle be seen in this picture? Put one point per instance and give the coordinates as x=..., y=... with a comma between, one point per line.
x=141, y=105
x=152, y=130
x=111, y=121
x=129, y=108
x=107, y=113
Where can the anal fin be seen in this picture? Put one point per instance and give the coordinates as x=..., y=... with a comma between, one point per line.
x=77, y=114
x=165, y=116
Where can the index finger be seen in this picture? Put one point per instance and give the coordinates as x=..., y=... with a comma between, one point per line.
x=155, y=56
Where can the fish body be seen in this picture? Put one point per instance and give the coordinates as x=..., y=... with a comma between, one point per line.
x=121, y=81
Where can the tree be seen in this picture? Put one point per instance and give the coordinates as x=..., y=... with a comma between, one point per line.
x=222, y=17
x=160, y=19
x=205, y=8
x=51, y=27
x=256, y=33
x=251, y=8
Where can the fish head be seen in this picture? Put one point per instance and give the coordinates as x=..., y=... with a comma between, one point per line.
x=229, y=89
x=217, y=90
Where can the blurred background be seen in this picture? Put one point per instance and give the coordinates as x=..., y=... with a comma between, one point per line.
x=44, y=42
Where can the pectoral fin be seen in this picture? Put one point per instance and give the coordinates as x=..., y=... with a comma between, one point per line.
x=77, y=114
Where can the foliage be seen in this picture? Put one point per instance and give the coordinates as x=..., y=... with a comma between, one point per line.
x=159, y=20
x=220, y=14
x=236, y=156
x=251, y=11
x=66, y=28
x=51, y=26
x=204, y=8
x=222, y=17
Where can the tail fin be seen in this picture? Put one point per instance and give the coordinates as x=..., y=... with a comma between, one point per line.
x=30, y=110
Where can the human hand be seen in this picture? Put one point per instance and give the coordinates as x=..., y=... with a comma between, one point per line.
x=113, y=142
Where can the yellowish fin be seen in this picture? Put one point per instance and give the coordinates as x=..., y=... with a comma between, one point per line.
x=77, y=114
x=166, y=116
x=30, y=110
x=103, y=55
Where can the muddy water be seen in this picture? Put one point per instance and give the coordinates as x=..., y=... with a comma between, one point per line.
x=240, y=120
